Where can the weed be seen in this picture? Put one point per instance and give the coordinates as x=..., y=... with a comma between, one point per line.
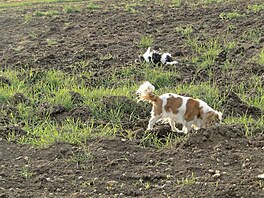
x=47, y=13
x=92, y=6
x=211, y=1
x=26, y=173
x=31, y=2
x=131, y=7
x=185, y=31
x=231, y=27
x=51, y=42
x=229, y=45
x=260, y=57
x=146, y=41
x=82, y=157
x=230, y=15
x=71, y=9
x=227, y=66
x=147, y=185
x=27, y=17
x=176, y=3
x=189, y=180
x=256, y=8
x=260, y=184
x=106, y=57
x=89, y=183
x=33, y=35
x=253, y=35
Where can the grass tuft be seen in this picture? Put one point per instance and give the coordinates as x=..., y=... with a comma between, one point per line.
x=146, y=41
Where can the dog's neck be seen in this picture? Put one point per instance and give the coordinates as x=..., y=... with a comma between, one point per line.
x=150, y=97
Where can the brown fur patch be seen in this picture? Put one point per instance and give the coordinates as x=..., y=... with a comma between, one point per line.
x=157, y=106
x=192, y=110
x=173, y=104
x=211, y=118
x=151, y=97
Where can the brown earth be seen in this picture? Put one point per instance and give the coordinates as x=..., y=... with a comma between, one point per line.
x=215, y=162
x=219, y=161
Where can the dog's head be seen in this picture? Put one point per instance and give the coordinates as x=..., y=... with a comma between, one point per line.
x=145, y=91
x=212, y=117
x=146, y=56
x=165, y=58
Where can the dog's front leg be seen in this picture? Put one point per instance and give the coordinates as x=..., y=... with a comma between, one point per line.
x=186, y=127
x=152, y=121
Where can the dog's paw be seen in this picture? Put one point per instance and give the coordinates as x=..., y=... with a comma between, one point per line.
x=149, y=129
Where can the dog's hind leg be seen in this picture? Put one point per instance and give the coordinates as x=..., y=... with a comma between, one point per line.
x=172, y=125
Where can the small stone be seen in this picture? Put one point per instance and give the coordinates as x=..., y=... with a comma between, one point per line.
x=261, y=176
x=217, y=173
x=111, y=183
x=48, y=179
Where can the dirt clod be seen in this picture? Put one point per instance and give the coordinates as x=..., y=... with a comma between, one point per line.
x=19, y=98
x=235, y=106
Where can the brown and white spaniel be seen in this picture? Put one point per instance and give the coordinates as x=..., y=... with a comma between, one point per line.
x=190, y=112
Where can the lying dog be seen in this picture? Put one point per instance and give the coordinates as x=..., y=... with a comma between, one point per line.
x=178, y=109
x=153, y=56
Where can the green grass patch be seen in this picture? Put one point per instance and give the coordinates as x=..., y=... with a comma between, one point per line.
x=185, y=31
x=146, y=41
x=230, y=15
x=71, y=9
x=205, y=52
x=189, y=180
x=92, y=6
x=111, y=103
x=256, y=8
x=32, y=2
x=47, y=13
x=131, y=8
x=252, y=35
x=251, y=125
x=260, y=57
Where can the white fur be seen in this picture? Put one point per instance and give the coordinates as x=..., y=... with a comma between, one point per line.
x=145, y=89
x=172, y=63
x=147, y=55
x=165, y=61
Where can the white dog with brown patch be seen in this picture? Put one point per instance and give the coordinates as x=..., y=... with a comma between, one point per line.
x=178, y=109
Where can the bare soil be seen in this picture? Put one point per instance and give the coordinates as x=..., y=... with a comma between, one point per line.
x=215, y=162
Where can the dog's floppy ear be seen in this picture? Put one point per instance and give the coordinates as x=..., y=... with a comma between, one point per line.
x=156, y=58
x=211, y=118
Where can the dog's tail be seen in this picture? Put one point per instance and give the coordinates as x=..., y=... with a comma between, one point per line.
x=145, y=92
